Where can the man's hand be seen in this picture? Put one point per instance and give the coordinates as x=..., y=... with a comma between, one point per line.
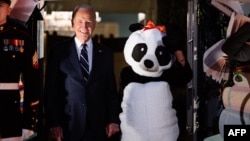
x=112, y=129
x=180, y=57
x=56, y=133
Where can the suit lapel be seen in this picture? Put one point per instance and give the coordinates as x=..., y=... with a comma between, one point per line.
x=74, y=60
x=97, y=53
x=73, y=57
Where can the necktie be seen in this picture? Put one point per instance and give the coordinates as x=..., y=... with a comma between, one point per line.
x=84, y=62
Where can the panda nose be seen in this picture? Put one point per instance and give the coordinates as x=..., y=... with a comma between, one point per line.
x=148, y=63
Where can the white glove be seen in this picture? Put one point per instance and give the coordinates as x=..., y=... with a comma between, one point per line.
x=27, y=134
x=11, y=139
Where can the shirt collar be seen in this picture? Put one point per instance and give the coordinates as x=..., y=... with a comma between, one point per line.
x=79, y=44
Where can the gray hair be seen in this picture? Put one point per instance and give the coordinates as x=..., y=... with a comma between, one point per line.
x=83, y=6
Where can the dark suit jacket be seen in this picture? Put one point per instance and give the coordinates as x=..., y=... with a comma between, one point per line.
x=81, y=109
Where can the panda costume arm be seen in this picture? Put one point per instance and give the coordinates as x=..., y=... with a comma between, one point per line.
x=178, y=71
x=175, y=42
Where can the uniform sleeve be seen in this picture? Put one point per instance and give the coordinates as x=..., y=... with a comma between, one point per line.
x=31, y=81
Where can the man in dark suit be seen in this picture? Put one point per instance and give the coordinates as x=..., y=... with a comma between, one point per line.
x=75, y=109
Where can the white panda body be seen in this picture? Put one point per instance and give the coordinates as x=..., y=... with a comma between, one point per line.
x=147, y=113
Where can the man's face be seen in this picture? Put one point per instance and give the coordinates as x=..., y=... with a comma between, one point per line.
x=4, y=12
x=83, y=25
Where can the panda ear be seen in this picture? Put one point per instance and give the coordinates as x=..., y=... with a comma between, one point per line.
x=135, y=26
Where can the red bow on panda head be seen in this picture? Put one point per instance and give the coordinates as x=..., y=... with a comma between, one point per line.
x=151, y=25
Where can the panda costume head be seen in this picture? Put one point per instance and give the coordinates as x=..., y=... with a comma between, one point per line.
x=145, y=52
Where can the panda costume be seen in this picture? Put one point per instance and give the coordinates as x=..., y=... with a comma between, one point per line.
x=147, y=113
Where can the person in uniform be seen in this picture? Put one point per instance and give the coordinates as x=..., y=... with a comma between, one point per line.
x=18, y=58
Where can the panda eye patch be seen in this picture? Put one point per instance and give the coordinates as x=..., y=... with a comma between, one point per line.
x=163, y=56
x=139, y=51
